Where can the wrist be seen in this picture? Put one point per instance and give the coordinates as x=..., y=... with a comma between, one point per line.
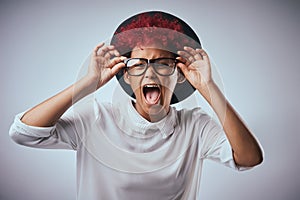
x=84, y=87
x=207, y=89
x=205, y=86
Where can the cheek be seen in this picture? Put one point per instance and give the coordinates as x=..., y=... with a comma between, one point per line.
x=135, y=84
x=170, y=83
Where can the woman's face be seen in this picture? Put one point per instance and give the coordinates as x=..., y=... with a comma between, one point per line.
x=153, y=92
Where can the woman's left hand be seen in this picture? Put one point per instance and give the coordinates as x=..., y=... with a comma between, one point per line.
x=195, y=66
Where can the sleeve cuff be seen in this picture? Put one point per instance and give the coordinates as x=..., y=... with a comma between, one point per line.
x=28, y=130
x=227, y=158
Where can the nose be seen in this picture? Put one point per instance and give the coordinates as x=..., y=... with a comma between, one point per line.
x=150, y=73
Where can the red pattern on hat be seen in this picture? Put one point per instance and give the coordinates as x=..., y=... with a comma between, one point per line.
x=147, y=29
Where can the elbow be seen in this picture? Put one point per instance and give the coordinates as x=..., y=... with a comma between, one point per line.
x=257, y=156
x=256, y=160
x=260, y=158
x=249, y=159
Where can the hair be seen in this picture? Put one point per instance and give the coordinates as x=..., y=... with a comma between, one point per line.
x=154, y=28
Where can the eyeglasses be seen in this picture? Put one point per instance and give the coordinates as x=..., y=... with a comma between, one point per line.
x=162, y=66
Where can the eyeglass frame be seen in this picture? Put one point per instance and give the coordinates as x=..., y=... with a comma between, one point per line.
x=149, y=61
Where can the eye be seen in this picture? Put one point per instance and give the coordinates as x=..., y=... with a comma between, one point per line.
x=161, y=66
x=165, y=62
x=136, y=63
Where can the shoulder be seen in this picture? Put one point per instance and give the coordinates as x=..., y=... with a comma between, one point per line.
x=102, y=109
x=190, y=116
x=196, y=121
x=90, y=110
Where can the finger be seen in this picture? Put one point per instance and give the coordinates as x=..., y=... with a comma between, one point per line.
x=97, y=48
x=104, y=50
x=113, y=50
x=183, y=68
x=187, y=58
x=109, y=54
x=198, y=56
x=184, y=54
x=116, y=61
x=195, y=53
x=116, y=53
x=203, y=54
x=190, y=50
x=112, y=53
x=181, y=59
x=117, y=67
x=191, y=54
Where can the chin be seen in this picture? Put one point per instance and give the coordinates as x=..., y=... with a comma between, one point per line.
x=157, y=111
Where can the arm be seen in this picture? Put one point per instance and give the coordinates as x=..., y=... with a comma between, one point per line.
x=197, y=70
x=105, y=63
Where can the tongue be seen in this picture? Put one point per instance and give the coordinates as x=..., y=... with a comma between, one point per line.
x=152, y=95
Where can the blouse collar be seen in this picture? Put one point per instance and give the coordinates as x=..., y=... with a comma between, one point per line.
x=133, y=124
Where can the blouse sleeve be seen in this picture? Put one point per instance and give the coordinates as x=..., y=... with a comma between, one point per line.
x=60, y=136
x=215, y=145
x=65, y=134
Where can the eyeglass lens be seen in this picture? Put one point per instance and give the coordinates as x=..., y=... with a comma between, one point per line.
x=162, y=66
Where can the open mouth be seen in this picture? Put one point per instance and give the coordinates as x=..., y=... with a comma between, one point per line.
x=152, y=93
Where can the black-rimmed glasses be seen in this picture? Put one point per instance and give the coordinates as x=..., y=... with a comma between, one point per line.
x=162, y=66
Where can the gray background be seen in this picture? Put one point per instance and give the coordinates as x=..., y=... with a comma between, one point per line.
x=255, y=45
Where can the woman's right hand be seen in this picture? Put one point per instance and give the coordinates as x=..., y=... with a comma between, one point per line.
x=105, y=63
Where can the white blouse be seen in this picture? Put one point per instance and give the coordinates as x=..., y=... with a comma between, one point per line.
x=120, y=155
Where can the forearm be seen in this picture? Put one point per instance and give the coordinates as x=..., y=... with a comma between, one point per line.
x=48, y=112
x=246, y=150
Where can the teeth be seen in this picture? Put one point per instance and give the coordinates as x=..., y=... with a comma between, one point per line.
x=151, y=86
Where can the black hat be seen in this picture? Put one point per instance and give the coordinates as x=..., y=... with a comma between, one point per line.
x=168, y=29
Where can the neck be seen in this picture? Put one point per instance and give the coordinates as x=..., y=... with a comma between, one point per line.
x=154, y=114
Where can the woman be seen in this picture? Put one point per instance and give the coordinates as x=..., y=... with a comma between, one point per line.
x=142, y=148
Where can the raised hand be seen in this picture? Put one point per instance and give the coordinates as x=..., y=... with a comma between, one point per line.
x=105, y=63
x=195, y=66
